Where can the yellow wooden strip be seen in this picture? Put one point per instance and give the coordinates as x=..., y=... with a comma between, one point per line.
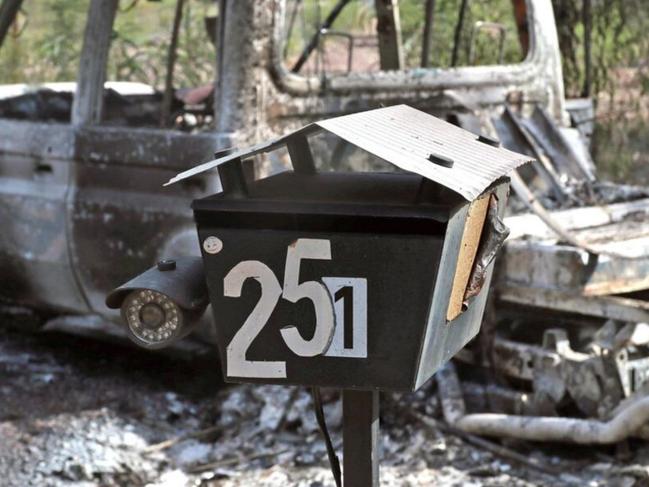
x=468, y=250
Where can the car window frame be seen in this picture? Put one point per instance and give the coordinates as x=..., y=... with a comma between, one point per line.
x=430, y=78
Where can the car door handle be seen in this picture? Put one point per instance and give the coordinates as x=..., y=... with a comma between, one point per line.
x=43, y=168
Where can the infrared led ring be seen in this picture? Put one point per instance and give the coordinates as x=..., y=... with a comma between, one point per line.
x=152, y=317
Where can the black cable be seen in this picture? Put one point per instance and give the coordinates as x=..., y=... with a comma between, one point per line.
x=331, y=452
x=313, y=43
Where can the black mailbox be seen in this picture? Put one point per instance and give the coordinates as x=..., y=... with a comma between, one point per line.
x=354, y=280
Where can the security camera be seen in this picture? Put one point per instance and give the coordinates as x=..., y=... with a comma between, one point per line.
x=163, y=304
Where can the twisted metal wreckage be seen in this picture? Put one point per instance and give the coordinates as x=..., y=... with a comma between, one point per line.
x=563, y=355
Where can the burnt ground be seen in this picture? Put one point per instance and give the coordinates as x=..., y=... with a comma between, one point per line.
x=78, y=411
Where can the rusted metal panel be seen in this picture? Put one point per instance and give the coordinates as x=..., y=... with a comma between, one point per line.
x=120, y=213
x=163, y=149
x=534, y=264
x=38, y=140
x=530, y=226
x=34, y=255
x=617, y=276
x=618, y=232
x=607, y=307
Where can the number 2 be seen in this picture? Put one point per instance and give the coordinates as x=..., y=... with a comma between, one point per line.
x=238, y=366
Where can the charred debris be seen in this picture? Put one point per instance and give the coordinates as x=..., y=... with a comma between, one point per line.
x=564, y=350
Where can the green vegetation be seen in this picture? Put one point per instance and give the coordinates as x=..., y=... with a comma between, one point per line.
x=139, y=49
x=618, y=39
x=446, y=17
x=619, y=79
x=45, y=42
x=359, y=19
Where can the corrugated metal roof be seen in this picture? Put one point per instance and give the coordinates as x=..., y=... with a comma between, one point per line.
x=406, y=137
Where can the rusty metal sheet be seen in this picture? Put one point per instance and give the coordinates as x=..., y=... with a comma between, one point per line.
x=35, y=139
x=607, y=307
x=540, y=261
x=132, y=146
x=554, y=143
x=531, y=226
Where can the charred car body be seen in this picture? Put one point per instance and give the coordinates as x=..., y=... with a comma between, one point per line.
x=84, y=209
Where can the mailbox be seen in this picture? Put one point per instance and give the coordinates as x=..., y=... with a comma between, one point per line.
x=354, y=280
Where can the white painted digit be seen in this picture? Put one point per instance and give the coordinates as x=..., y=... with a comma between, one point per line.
x=340, y=306
x=307, y=248
x=350, y=305
x=237, y=365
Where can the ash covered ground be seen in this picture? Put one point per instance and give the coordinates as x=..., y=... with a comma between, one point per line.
x=78, y=411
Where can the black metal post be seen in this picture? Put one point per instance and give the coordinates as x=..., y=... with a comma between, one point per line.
x=233, y=179
x=360, y=438
x=301, y=155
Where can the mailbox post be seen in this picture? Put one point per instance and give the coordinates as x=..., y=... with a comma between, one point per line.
x=357, y=281
x=361, y=438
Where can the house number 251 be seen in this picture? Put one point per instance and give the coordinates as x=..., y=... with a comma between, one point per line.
x=340, y=305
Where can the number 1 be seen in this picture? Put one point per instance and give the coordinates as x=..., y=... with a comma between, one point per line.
x=346, y=294
x=350, y=307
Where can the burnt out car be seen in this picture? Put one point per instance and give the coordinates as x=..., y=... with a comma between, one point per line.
x=83, y=208
x=82, y=165
x=81, y=196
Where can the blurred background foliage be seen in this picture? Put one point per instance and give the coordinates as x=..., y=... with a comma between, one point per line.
x=141, y=42
x=618, y=78
x=44, y=45
x=359, y=19
x=45, y=42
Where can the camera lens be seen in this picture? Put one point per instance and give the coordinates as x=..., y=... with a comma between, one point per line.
x=152, y=317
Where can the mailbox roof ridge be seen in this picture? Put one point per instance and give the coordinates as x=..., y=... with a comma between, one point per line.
x=410, y=139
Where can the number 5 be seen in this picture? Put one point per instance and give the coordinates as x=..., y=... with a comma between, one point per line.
x=306, y=248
